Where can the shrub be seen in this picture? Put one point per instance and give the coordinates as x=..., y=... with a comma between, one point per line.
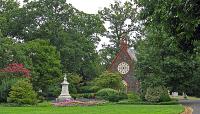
x=44, y=104
x=94, y=89
x=122, y=95
x=109, y=80
x=134, y=97
x=52, y=91
x=72, y=89
x=169, y=103
x=85, y=95
x=41, y=99
x=5, y=85
x=110, y=95
x=157, y=94
x=74, y=96
x=74, y=80
x=152, y=95
x=164, y=96
x=22, y=93
x=89, y=89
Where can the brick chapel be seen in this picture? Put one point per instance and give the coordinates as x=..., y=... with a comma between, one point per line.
x=123, y=63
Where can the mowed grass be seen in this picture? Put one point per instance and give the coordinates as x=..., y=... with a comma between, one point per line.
x=188, y=97
x=105, y=109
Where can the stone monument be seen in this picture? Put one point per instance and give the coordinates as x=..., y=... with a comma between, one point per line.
x=65, y=91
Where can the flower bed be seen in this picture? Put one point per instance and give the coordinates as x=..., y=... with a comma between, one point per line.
x=71, y=102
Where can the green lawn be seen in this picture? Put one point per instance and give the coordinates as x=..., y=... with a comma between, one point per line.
x=106, y=109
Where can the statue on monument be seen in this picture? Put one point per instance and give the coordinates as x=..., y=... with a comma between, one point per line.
x=65, y=91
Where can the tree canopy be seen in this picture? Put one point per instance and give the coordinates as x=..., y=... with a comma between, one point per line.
x=122, y=20
x=170, y=49
x=74, y=33
x=51, y=37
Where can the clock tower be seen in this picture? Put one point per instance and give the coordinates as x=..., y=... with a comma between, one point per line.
x=123, y=63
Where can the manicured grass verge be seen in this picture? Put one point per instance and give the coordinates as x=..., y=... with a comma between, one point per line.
x=174, y=102
x=105, y=109
x=189, y=98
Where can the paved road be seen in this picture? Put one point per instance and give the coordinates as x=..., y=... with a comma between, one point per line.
x=194, y=104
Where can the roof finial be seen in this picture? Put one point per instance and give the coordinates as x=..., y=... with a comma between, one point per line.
x=123, y=41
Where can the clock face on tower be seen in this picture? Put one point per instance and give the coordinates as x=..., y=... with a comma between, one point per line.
x=123, y=68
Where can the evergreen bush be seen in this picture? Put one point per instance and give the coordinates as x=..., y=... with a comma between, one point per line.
x=164, y=96
x=110, y=80
x=134, y=97
x=52, y=91
x=122, y=96
x=22, y=93
x=89, y=89
x=86, y=95
x=5, y=85
x=108, y=94
x=74, y=80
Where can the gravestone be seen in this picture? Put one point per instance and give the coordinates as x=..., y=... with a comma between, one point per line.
x=174, y=94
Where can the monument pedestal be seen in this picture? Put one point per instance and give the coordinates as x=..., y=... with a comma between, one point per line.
x=63, y=98
x=65, y=91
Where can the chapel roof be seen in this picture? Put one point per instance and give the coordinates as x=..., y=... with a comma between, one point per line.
x=131, y=53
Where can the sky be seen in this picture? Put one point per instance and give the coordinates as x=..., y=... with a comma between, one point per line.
x=91, y=7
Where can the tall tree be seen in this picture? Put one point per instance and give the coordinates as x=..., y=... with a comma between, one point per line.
x=47, y=18
x=44, y=63
x=5, y=51
x=41, y=58
x=122, y=19
x=172, y=37
x=8, y=11
x=74, y=33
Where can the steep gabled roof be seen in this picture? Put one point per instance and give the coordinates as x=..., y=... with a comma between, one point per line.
x=130, y=53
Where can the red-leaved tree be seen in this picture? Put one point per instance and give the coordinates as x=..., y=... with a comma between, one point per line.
x=16, y=68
